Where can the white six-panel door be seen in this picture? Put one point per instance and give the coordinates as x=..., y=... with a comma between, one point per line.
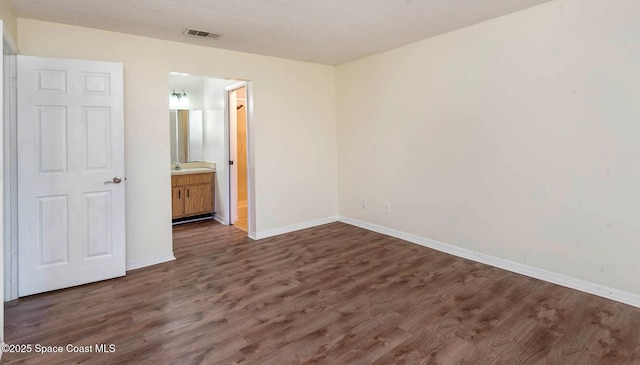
x=71, y=227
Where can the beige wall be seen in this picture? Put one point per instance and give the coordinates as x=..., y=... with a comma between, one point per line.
x=518, y=137
x=291, y=128
x=9, y=18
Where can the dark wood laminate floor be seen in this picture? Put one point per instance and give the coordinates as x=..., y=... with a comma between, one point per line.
x=334, y=294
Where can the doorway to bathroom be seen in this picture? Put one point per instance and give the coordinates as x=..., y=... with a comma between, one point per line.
x=207, y=150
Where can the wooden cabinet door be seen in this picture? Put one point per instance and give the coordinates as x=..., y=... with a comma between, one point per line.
x=177, y=202
x=206, y=195
x=198, y=199
x=191, y=200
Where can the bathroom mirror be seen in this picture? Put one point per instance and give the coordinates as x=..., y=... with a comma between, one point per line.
x=186, y=135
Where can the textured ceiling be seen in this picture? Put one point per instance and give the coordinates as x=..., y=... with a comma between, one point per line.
x=323, y=31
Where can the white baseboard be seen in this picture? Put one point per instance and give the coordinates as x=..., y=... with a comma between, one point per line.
x=534, y=272
x=218, y=218
x=292, y=228
x=138, y=264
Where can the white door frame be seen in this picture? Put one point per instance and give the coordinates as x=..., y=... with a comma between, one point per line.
x=232, y=106
x=251, y=222
x=8, y=156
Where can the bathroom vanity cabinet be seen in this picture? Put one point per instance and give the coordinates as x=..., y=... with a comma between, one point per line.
x=192, y=194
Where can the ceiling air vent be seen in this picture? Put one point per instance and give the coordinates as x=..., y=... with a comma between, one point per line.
x=201, y=34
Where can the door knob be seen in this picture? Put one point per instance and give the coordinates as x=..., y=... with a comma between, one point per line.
x=116, y=180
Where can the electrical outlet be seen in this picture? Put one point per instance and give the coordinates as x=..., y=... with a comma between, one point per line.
x=387, y=208
x=364, y=203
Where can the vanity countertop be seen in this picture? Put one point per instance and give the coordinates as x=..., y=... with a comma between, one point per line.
x=193, y=170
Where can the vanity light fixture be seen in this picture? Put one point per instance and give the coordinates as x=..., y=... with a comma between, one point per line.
x=180, y=97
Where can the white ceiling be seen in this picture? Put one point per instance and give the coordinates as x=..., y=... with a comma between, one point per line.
x=324, y=31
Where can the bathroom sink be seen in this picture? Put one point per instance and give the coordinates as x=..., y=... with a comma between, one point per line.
x=192, y=170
